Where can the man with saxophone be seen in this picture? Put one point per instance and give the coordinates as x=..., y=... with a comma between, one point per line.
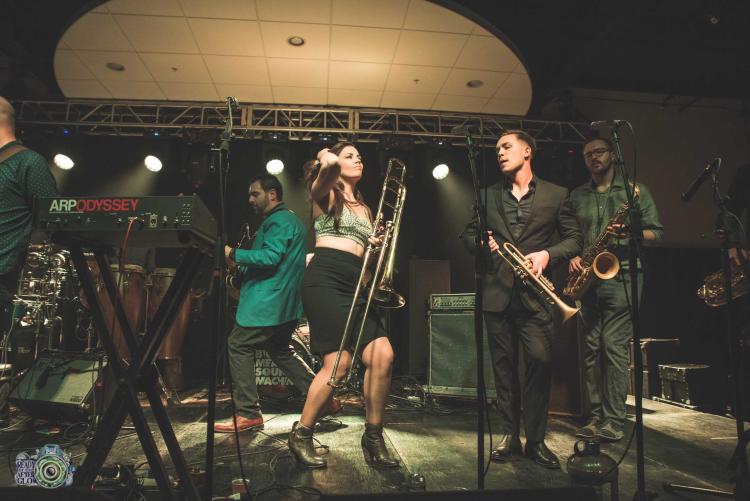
x=604, y=318
x=529, y=213
x=270, y=303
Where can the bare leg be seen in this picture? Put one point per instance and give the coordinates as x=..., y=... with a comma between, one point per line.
x=320, y=392
x=378, y=359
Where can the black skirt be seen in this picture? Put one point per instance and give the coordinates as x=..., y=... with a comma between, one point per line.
x=327, y=293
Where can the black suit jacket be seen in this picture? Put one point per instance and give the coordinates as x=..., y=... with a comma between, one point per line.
x=552, y=225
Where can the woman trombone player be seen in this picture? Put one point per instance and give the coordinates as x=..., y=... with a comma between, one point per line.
x=343, y=227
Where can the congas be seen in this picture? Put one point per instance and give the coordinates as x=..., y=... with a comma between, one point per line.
x=169, y=357
x=132, y=286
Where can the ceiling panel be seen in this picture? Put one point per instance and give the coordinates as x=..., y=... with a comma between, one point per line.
x=275, y=35
x=89, y=89
x=96, y=62
x=238, y=70
x=246, y=93
x=148, y=7
x=407, y=100
x=235, y=38
x=410, y=54
x=484, y=53
x=295, y=11
x=352, y=75
x=67, y=65
x=517, y=86
x=300, y=95
x=447, y=102
x=458, y=78
x=96, y=32
x=220, y=9
x=370, y=45
x=134, y=90
x=423, y=79
x=176, y=67
x=180, y=91
x=349, y=97
x=430, y=17
x=149, y=33
x=298, y=73
x=373, y=13
x=429, y=49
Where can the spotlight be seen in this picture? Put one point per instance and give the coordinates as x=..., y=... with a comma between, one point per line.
x=274, y=166
x=66, y=131
x=63, y=161
x=440, y=171
x=152, y=163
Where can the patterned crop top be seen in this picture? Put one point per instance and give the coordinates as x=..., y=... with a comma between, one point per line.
x=351, y=226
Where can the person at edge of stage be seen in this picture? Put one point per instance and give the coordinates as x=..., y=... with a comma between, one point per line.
x=604, y=319
x=24, y=175
x=739, y=205
x=270, y=304
x=343, y=228
x=530, y=213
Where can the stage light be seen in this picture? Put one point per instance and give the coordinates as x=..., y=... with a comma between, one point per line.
x=63, y=161
x=440, y=171
x=274, y=166
x=152, y=163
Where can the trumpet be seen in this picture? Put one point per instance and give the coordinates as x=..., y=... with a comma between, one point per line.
x=541, y=285
x=381, y=290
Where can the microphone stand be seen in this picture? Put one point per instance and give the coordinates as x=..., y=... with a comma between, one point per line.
x=219, y=290
x=724, y=229
x=480, y=270
x=636, y=236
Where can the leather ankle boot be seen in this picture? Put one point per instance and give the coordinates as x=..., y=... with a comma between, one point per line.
x=302, y=446
x=373, y=447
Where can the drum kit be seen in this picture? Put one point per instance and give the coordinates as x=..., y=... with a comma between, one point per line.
x=50, y=312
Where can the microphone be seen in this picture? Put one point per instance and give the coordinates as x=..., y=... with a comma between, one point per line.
x=464, y=130
x=712, y=167
x=603, y=124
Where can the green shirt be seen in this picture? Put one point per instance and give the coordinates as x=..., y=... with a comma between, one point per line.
x=594, y=211
x=23, y=177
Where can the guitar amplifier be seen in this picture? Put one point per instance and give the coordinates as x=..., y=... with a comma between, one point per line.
x=62, y=386
x=452, y=359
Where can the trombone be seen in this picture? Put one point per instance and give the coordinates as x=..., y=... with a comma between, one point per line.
x=541, y=285
x=381, y=290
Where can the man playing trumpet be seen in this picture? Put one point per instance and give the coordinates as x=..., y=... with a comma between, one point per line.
x=605, y=312
x=527, y=212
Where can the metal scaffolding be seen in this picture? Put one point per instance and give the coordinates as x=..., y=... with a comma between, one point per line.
x=296, y=123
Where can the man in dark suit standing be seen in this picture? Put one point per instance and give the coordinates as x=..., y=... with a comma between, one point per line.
x=531, y=214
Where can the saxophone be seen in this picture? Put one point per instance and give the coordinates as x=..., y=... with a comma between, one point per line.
x=597, y=261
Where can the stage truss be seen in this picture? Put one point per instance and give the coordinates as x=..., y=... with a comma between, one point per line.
x=295, y=123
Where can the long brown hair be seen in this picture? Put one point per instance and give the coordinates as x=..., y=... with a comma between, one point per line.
x=312, y=167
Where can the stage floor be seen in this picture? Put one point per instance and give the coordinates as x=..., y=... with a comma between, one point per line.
x=439, y=443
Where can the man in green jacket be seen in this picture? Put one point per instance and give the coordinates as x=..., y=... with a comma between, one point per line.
x=270, y=302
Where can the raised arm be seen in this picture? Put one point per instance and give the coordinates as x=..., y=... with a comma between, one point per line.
x=328, y=174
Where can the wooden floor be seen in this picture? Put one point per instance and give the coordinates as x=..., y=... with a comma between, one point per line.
x=438, y=443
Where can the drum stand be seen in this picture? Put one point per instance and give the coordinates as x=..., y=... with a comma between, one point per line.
x=138, y=376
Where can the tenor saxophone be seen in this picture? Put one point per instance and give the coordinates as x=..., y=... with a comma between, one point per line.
x=596, y=260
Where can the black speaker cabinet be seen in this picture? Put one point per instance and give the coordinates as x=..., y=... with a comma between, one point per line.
x=62, y=386
x=452, y=357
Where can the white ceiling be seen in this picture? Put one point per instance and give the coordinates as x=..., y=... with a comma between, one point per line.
x=405, y=54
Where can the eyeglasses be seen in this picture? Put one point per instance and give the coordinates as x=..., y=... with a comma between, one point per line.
x=596, y=153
